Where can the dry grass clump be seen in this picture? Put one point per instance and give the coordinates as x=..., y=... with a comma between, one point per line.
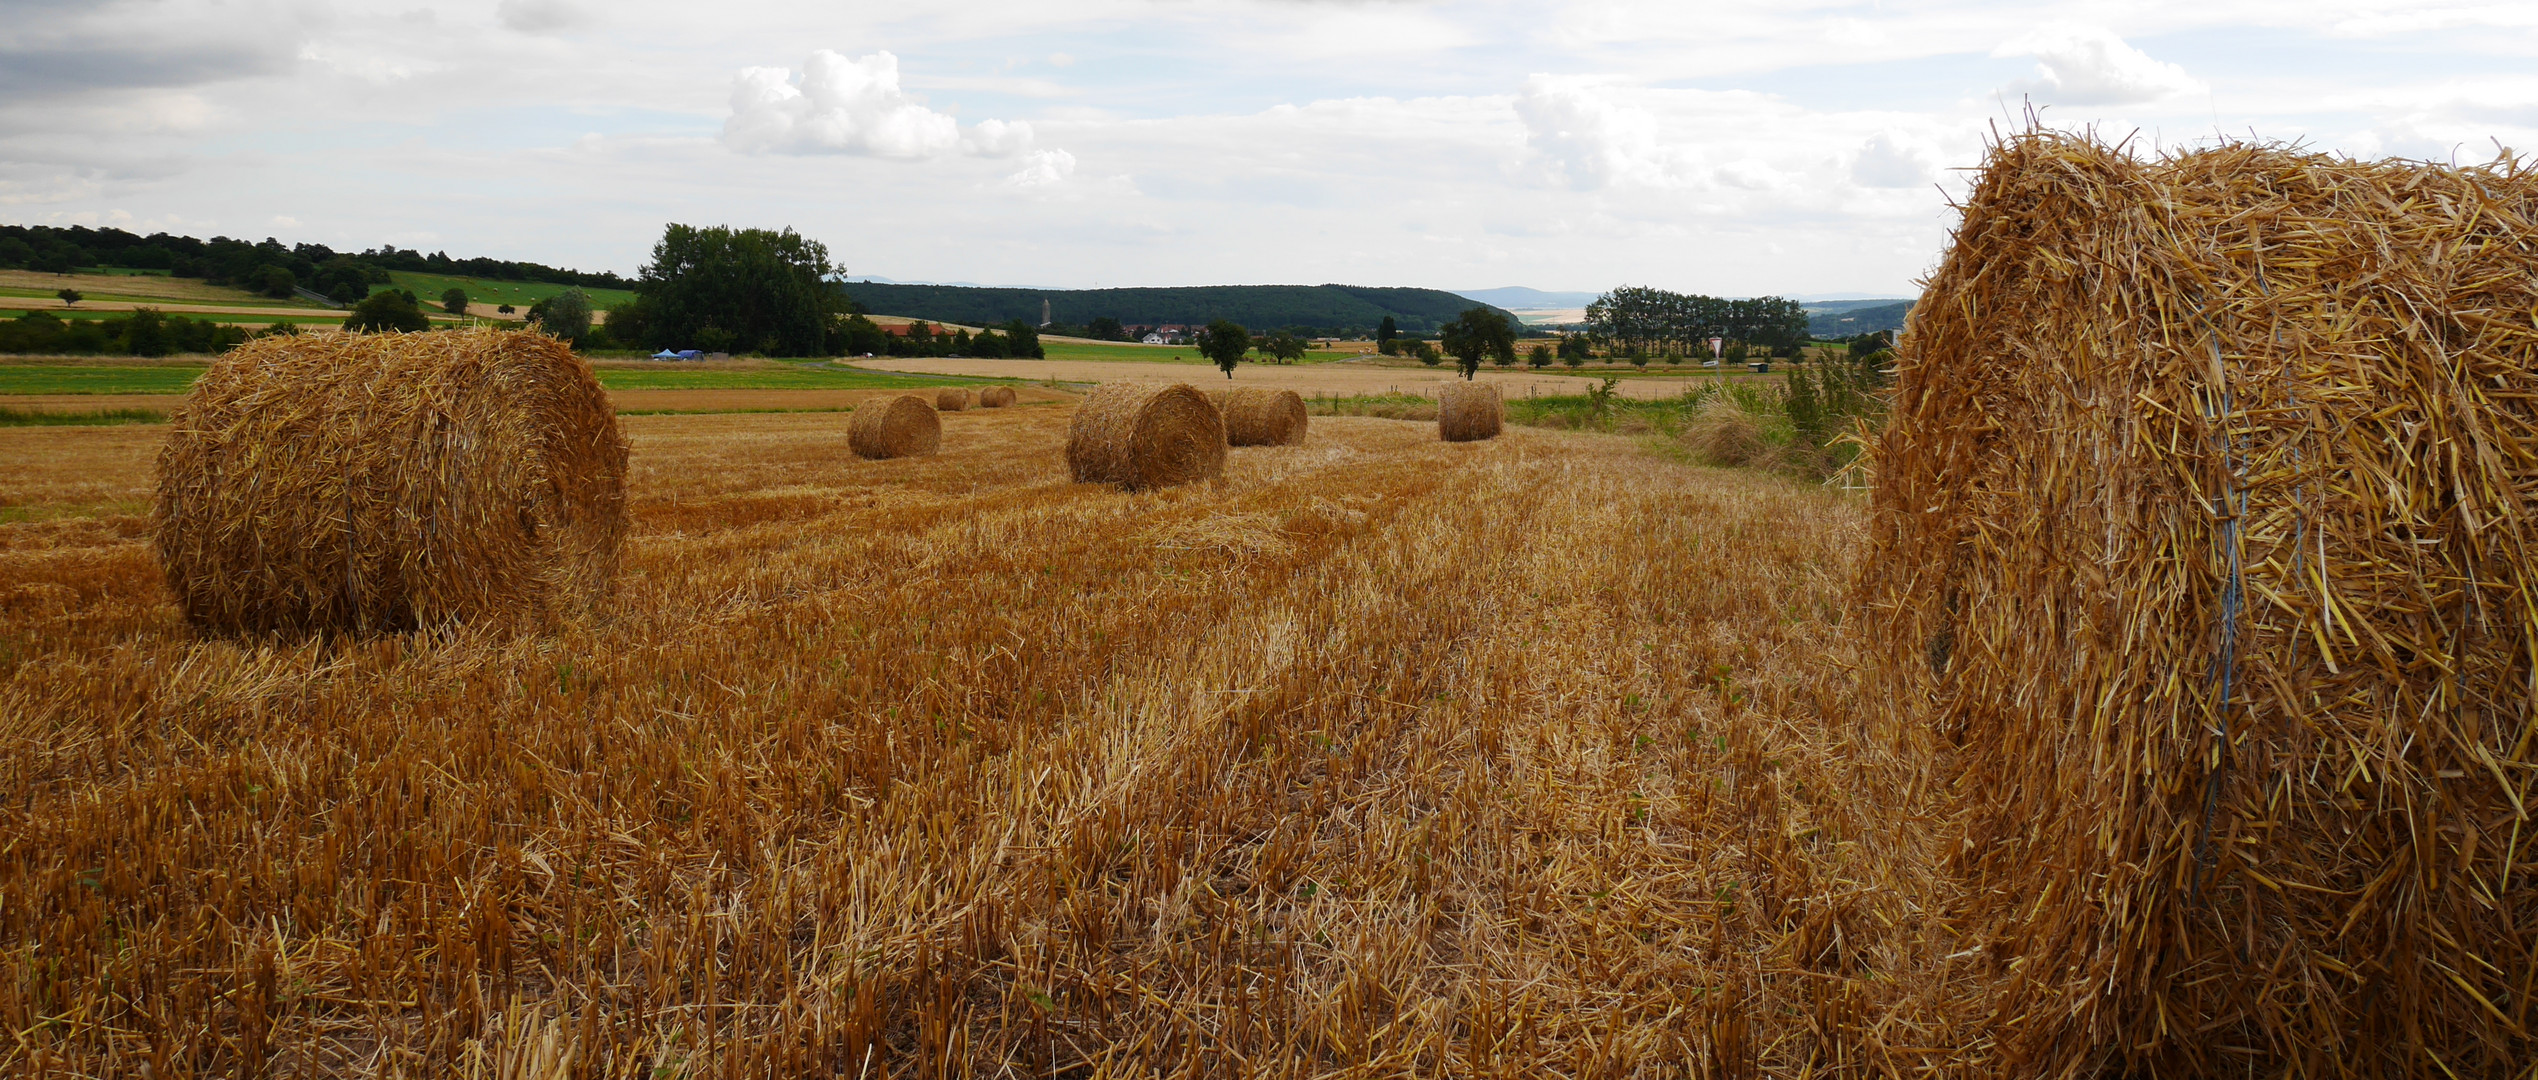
x=1143, y=435
x=951, y=399
x=1467, y=411
x=2203, y=530
x=901, y=426
x=1259, y=416
x=1724, y=433
x=995, y=397
x=1384, y=757
x=386, y=482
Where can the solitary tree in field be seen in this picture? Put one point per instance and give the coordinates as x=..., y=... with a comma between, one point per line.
x=454, y=300
x=567, y=315
x=1479, y=332
x=70, y=297
x=1287, y=347
x=1539, y=358
x=1224, y=341
x=1384, y=335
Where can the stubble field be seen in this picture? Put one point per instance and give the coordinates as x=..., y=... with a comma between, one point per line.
x=1381, y=757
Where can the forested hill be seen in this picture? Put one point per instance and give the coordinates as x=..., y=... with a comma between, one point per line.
x=1321, y=309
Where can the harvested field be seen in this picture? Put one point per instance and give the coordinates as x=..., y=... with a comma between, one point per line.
x=1381, y=756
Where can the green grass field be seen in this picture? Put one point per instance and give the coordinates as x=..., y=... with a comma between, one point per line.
x=519, y=294
x=76, y=378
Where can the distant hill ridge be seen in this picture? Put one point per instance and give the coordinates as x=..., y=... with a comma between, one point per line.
x=1320, y=309
x=1851, y=318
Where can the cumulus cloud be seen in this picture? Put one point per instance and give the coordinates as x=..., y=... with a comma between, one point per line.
x=1584, y=139
x=1043, y=168
x=2089, y=65
x=854, y=106
x=1884, y=162
x=996, y=138
x=538, y=16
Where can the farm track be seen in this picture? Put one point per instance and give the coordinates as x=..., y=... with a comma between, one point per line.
x=1384, y=756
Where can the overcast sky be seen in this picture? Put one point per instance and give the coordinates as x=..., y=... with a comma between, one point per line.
x=1793, y=147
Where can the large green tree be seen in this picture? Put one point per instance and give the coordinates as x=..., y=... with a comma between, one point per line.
x=1476, y=333
x=1283, y=345
x=746, y=290
x=388, y=309
x=566, y=314
x=1224, y=341
x=454, y=300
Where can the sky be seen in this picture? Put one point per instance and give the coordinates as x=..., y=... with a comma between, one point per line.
x=1796, y=148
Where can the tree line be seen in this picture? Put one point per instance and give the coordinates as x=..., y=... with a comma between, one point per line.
x=268, y=267
x=1638, y=321
x=1303, y=310
x=772, y=292
x=141, y=333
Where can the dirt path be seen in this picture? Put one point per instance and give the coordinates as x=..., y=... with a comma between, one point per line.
x=35, y=303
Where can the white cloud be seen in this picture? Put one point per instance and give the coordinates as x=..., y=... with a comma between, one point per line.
x=996, y=138
x=1043, y=168
x=2089, y=65
x=538, y=16
x=1884, y=162
x=1584, y=139
x=843, y=106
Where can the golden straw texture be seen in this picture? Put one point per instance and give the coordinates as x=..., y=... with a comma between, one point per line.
x=951, y=399
x=1144, y=435
x=995, y=397
x=903, y=426
x=390, y=481
x=2203, y=536
x=1258, y=416
x=1467, y=411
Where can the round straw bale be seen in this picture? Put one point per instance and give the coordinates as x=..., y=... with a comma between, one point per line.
x=391, y=481
x=1258, y=416
x=2200, y=535
x=951, y=399
x=903, y=426
x=995, y=397
x=1144, y=435
x=1467, y=411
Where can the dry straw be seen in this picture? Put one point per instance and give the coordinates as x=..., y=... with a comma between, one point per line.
x=951, y=399
x=2205, y=529
x=386, y=482
x=1258, y=416
x=1467, y=411
x=903, y=426
x=995, y=397
x=1144, y=435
